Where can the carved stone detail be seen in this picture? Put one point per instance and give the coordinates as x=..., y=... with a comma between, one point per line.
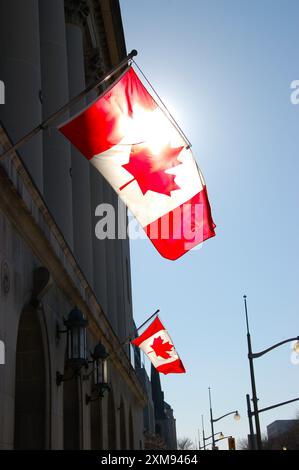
x=76, y=11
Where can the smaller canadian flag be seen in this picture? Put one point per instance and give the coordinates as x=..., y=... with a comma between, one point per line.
x=156, y=343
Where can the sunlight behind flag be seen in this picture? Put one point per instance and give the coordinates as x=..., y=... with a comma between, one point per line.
x=145, y=158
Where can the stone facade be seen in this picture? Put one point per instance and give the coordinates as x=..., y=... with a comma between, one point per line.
x=49, y=51
x=165, y=423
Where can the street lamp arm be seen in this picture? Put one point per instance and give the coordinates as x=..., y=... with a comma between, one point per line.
x=227, y=414
x=276, y=406
x=207, y=438
x=221, y=438
x=259, y=354
x=204, y=447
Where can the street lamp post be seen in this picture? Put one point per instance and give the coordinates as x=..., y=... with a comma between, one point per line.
x=252, y=378
x=250, y=414
x=213, y=420
x=258, y=441
x=221, y=437
x=203, y=433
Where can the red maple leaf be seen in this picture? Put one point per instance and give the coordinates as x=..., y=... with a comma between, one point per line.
x=161, y=348
x=148, y=168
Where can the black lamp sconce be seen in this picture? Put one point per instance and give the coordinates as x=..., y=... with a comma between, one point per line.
x=76, y=343
x=100, y=373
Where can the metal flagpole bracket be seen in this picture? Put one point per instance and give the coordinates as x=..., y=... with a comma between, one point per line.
x=149, y=318
x=43, y=125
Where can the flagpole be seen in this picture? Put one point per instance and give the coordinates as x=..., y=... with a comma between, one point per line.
x=149, y=318
x=70, y=103
x=129, y=338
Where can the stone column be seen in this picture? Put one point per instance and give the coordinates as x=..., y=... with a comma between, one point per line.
x=121, y=278
x=95, y=70
x=20, y=72
x=82, y=226
x=56, y=148
x=111, y=264
x=128, y=302
x=98, y=246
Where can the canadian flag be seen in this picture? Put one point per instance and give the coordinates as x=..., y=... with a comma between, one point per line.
x=156, y=343
x=129, y=139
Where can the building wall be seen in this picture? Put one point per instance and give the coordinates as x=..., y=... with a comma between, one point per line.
x=21, y=73
x=165, y=424
x=57, y=181
x=170, y=427
x=60, y=47
x=47, y=219
x=29, y=238
x=148, y=412
x=279, y=427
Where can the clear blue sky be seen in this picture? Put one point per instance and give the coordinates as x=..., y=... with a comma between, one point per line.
x=225, y=67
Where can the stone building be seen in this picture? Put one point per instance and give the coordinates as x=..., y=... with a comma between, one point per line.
x=148, y=411
x=158, y=419
x=165, y=423
x=50, y=259
x=280, y=427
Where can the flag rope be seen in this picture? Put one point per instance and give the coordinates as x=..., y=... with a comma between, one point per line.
x=45, y=124
x=165, y=110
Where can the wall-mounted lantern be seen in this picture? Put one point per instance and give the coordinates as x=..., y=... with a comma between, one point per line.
x=100, y=373
x=76, y=356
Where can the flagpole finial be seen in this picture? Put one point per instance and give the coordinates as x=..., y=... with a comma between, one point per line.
x=133, y=53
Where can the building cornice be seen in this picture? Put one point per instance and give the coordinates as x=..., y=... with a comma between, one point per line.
x=102, y=32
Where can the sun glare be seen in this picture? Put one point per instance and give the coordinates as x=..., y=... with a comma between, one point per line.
x=152, y=127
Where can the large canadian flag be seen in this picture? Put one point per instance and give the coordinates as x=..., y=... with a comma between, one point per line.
x=130, y=140
x=156, y=343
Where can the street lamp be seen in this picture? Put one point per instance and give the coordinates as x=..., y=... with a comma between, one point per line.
x=76, y=343
x=100, y=373
x=214, y=420
x=204, y=438
x=221, y=436
x=252, y=356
